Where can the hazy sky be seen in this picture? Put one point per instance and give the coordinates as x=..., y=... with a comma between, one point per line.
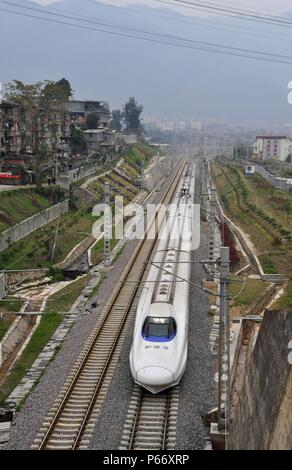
x=271, y=5
x=266, y=6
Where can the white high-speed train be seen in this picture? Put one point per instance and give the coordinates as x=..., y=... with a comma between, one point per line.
x=159, y=350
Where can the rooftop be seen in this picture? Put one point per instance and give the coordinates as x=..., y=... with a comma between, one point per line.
x=271, y=137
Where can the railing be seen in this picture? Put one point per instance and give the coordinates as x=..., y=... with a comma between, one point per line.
x=27, y=226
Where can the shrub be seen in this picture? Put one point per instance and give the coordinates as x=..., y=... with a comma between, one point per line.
x=228, y=239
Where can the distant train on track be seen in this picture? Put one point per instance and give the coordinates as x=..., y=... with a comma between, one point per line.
x=159, y=350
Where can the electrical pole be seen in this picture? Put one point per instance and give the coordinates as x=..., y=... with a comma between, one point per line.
x=159, y=175
x=55, y=239
x=56, y=167
x=107, y=222
x=142, y=177
x=212, y=226
x=224, y=394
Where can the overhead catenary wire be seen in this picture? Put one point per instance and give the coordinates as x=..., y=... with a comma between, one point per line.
x=160, y=38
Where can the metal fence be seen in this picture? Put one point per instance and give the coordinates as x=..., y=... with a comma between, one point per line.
x=279, y=183
x=27, y=226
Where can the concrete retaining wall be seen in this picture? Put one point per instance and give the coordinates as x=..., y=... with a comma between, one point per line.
x=157, y=172
x=77, y=174
x=17, y=277
x=14, y=335
x=84, y=196
x=263, y=415
x=2, y=285
x=27, y=226
x=264, y=300
x=77, y=251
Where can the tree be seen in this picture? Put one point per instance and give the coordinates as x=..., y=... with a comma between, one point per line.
x=92, y=121
x=116, y=122
x=131, y=113
x=60, y=91
x=37, y=104
x=29, y=99
x=77, y=141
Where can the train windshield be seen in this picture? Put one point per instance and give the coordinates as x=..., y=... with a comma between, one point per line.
x=159, y=329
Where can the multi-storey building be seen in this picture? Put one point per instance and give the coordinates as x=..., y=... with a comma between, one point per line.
x=277, y=147
x=78, y=111
x=100, y=140
x=42, y=135
x=10, y=129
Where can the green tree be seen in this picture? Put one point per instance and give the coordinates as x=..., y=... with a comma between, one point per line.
x=60, y=91
x=77, y=141
x=116, y=122
x=92, y=121
x=131, y=113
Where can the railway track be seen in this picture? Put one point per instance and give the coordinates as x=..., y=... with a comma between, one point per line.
x=151, y=420
x=71, y=420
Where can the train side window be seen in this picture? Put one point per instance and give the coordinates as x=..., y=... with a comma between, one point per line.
x=159, y=329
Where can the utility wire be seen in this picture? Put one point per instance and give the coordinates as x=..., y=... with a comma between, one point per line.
x=170, y=40
x=232, y=9
x=225, y=12
x=135, y=30
x=141, y=31
x=200, y=22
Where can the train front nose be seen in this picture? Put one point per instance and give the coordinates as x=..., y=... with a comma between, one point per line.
x=154, y=376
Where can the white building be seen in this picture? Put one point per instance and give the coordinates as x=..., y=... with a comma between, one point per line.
x=277, y=147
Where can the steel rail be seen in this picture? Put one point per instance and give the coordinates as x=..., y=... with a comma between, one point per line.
x=120, y=289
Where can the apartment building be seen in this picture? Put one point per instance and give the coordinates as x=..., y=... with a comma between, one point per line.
x=278, y=147
x=78, y=110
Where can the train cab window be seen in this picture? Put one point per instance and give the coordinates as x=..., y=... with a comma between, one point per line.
x=159, y=329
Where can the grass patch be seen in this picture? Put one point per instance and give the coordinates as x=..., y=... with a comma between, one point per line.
x=19, y=204
x=268, y=265
x=97, y=251
x=35, y=250
x=285, y=301
x=51, y=319
x=250, y=294
x=141, y=151
x=261, y=211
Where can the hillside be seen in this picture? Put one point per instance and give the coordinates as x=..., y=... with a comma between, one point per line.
x=18, y=205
